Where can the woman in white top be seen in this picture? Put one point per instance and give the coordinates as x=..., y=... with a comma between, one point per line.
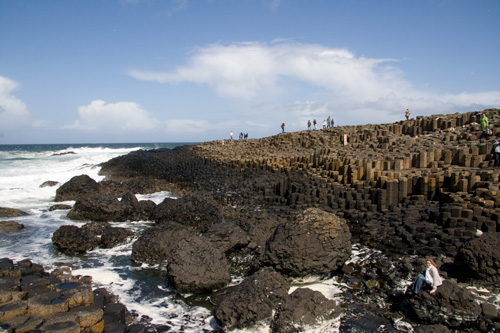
x=431, y=278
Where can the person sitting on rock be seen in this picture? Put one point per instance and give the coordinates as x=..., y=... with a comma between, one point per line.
x=431, y=278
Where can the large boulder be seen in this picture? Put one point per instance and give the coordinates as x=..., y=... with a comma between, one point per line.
x=114, y=236
x=108, y=208
x=76, y=188
x=71, y=240
x=227, y=236
x=259, y=226
x=196, y=265
x=480, y=258
x=315, y=242
x=155, y=244
x=96, y=208
x=252, y=300
x=303, y=307
x=197, y=210
x=451, y=305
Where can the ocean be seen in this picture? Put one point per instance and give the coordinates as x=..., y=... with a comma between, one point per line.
x=142, y=288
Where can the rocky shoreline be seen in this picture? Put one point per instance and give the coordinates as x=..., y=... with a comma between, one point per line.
x=290, y=206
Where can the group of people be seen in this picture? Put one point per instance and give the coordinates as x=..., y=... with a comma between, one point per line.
x=327, y=123
x=242, y=135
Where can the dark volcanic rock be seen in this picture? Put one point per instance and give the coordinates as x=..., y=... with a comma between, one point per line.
x=302, y=307
x=196, y=265
x=197, y=210
x=11, y=212
x=259, y=226
x=113, y=236
x=76, y=188
x=71, y=240
x=451, y=305
x=480, y=258
x=315, y=242
x=252, y=300
x=10, y=226
x=156, y=243
x=227, y=236
x=108, y=208
x=97, y=208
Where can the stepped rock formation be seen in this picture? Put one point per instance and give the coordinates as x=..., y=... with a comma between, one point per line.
x=422, y=186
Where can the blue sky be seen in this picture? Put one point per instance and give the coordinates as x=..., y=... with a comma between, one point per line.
x=99, y=71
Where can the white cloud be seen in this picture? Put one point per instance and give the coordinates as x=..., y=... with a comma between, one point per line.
x=13, y=111
x=363, y=89
x=246, y=70
x=114, y=117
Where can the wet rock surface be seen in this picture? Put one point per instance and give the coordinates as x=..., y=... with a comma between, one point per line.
x=314, y=243
x=480, y=259
x=10, y=226
x=302, y=308
x=252, y=300
x=73, y=240
x=451, y=305
x=11, y=212
x=107, y=208
x=197, y=210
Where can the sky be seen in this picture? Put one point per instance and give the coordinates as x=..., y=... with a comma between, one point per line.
x=115, y=71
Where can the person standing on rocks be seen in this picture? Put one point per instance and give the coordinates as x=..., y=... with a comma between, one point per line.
x=308, y=125
x=431, y=278
x=315, y=123
x=484, y=126
x=333, y=122
x=496, y=149
x=231, y=134
x=282, y=127
x=407, y=114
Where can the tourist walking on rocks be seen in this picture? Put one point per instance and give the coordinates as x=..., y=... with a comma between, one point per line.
x=431, y=278
x=314, y=123
x=328, y=122
x=496, y=149
x=407, y=114
x=324, y=124
x=333, y=122
x=308, y=125
x=231, y=134
x=484, y=126
x=282, y=127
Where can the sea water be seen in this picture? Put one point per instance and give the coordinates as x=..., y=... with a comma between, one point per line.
x=143, y=289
